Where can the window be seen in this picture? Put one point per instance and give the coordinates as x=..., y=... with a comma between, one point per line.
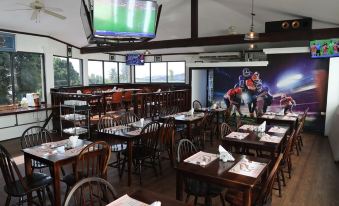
x=75, y=71
x=159, y=72
x=142, y=73
x=95, y=72
x=5, y=78
x=176, y=72
x=28, y=74
x=111, y=72
x=60, y=71
x=124, y=73
x=67, y=71
x=20, y=73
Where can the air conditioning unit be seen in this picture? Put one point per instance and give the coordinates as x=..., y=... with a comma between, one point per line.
x=7, y=42
x=255, y=56
x=221, y=56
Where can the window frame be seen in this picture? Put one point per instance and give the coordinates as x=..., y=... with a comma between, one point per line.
x=68, y=77
x=12, y=82
x=150, y=79
x=103, y=71
x=149, y=74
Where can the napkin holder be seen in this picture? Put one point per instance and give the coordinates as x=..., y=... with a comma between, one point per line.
x=225, y=156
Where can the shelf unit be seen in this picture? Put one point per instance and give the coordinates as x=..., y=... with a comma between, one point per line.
x=78, y=117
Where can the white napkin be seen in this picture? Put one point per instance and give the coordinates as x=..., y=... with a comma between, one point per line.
x=225, y=156
x=262, y=127
x=114, y=89
x=159, y=90
x=192, y=112
x=142, y=121
x=156, y=203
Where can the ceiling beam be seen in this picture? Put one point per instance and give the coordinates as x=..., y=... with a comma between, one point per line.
x=217, y=40
x=194, y=19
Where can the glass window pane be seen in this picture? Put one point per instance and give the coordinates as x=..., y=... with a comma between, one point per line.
x=158, y=72
x=5, y=79
x=142, y=73
x=75, y=71
x=60, y=71
x=28, y=74
x=176, y=71
x=95, y=72
x=124, y=73
x=111, y=72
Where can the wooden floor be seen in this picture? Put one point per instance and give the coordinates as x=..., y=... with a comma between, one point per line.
x=315, y=177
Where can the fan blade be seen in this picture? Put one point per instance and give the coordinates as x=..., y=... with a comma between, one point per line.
x=53, y=14
x=54, y=9
x=34, y=15
x=18, y=9
x=21, y=4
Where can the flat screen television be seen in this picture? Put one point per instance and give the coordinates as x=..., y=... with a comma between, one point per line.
x=135, y=59
x=121, y=19
x=324, y=48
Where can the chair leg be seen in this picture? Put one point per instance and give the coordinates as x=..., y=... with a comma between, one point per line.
x=187, y=198
x=50, y=195
x=289, y=166
x=154, y=168
x=283, y=177
x=8, y=200
x=222, y=199
x=279, y=184
x=40, y=197
x=159, y=162
x=208, y=201
x=195, y=200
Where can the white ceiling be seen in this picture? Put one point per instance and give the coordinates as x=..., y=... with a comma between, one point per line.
x=215, y=16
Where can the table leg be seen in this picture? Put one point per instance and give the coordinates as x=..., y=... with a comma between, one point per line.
x=179, y=186
x=28, y=172
x=129, y=148
x=56, y=184
x=247, y=195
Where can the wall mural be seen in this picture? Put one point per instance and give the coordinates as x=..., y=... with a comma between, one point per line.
x=291, y=82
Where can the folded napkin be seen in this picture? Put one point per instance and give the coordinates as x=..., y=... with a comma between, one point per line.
x=225, y=156
x=156, y=203
x=237, y=135
x=269, y=138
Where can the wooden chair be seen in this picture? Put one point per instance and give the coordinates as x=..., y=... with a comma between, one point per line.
x=91, y=191
x=196, y=104
x=225, y=130
x=195, y=187
x=261, y=194
x=167, y=139
x=146, y=147
x=34, y=136
x=205, y=128
x=129, y=117
x=116, y=100
x=92, y=161
x=127, y=99
x=108, y=121
x=18, y=186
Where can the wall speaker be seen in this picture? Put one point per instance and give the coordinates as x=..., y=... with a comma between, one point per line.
x=289, y=25
x=69, y=51
x=7, y=42
x=112, y=57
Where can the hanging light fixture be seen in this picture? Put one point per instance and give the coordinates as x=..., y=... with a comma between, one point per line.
x=252, y=35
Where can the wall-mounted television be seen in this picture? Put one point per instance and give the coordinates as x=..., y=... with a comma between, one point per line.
x=135, y=59
x=324, y=48
x=119, y=19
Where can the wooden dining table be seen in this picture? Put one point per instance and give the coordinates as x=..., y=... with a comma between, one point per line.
x=253, y=141
x=275, y=118
x=122, y=134
x=54, y=158
x=218, y=172
x=216, y=111
x=187, y=119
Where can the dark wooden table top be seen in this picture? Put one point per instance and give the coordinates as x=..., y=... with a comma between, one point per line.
x=208, y=109
x=185, y=117
x=254, y=140
x=149, y=197
x=218, y=172
x=56, y=156
x=122, y=133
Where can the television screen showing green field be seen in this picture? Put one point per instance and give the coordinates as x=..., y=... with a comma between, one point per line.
x=124, y=18
x=324, y=48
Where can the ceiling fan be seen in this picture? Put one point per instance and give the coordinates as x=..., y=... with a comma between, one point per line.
x=38, y=6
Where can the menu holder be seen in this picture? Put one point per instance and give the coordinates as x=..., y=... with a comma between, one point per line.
x=127, y=201
x=248, y=168
x=269, y=138
x=237, y=135
x=201, y=158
